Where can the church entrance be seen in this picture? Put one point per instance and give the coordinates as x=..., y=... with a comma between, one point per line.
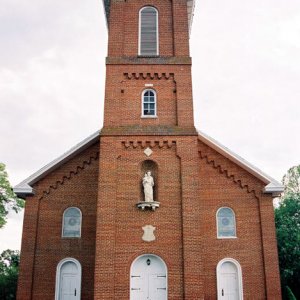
x=229, y=281
x=148, y=278
x=68, y=280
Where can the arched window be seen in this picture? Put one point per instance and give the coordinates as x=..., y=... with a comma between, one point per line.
x=226, y=227
x=68, y=279
x=229, y=279
x=148, y=31
x=71, y=222
x=148, y=278
x=149, y=103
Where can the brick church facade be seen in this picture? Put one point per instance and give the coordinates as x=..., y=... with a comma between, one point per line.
x=207, y=229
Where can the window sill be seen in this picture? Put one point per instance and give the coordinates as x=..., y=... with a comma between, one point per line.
x=226, y=237
x=149, y=117
x=148, y=56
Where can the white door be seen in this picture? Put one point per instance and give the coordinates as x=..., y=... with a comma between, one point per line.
x=69, y=282
x=229, y=282
x=148, y=278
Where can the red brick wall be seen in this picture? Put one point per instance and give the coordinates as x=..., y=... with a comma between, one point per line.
x=73, y=184
x=123, y=96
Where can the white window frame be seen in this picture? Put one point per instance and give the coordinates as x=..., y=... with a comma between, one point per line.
x=240, y=277
x=58, y=271
x=62, y=227
x=155, y=104
x=217, y=223
x=157, y=30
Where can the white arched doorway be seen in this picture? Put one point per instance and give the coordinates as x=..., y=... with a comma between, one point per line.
x=148, y=278
x=229, y=280
x=68, y=280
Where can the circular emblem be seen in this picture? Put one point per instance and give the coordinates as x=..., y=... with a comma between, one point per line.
x=225, y=221
x=72, y=221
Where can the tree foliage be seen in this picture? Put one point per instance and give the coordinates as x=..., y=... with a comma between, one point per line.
x=8, y=199
x=9, y=269
x=287, y=219
x=291, y=180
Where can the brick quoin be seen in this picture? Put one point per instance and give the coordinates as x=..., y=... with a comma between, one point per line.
x=193, y=179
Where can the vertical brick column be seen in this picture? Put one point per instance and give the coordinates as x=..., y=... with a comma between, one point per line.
x=25, y=280
x=184, y=96
x=116, y=28
x=271, y=264
x=106, y=213
x=180, y=28
x=192, y=254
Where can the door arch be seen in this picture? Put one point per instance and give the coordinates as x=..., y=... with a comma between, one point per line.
x=148, y=278
x=229, y=280
x=68, y=280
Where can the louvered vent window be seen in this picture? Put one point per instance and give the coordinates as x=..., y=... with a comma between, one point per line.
x=148, y=31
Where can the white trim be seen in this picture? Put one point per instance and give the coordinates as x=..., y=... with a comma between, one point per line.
x=157, y=31
x=190, y=11
x=155, y=104
x=240, y=277
x=58, y=270
x=226, y=237
x=160, y=259
x=63, y=219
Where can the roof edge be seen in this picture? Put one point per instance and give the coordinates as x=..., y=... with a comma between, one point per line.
x=272, y=185
x=24, y=188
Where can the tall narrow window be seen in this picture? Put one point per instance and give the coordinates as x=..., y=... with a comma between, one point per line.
x=149, y=103
x=226, y=223
x=148, y=31
x=71, y=222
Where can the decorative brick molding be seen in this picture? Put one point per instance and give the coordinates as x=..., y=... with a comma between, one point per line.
x=71, y=174
x=152, y=144
x=149, y=76
x=227, y=173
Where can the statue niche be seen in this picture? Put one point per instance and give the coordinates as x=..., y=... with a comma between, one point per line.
x=148, y=186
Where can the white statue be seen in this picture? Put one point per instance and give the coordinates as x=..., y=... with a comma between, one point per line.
x=148, y=184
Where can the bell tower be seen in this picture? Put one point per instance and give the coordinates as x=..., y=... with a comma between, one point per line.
x=148, y=131
x=148, y=68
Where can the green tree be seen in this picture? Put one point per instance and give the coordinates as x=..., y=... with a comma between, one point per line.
x=291, y=180
x=287, y=219
x=9, y=269
x=8, y=199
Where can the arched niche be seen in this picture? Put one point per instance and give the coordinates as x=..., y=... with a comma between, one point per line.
x=149, y=165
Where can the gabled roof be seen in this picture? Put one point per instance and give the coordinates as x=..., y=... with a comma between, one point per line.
x=24, y=188
x=190, y=10
x=272, y=186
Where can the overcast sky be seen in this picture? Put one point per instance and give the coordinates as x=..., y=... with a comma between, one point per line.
x=246, y=71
